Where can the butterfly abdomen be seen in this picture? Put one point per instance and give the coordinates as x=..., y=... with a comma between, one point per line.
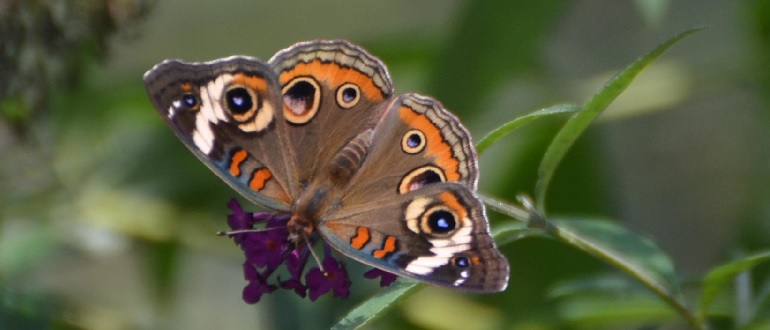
x=350, y=158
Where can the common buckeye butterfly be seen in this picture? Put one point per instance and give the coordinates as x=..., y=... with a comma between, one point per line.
x=316, y=132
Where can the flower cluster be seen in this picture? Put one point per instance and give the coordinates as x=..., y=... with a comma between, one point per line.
x=268, y=247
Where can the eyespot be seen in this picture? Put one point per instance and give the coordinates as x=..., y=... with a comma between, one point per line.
x=461, y=262
x=420, y=177
x=245, y=105
x=348, y=95
x=413, y=141
x=438, y=220
x=187, y=100
x=240, y=100
x=441, y=222
x=301, y=99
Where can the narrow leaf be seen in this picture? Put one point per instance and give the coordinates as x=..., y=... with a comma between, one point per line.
x=513, y=231
x=511, y=126
x=375, y=306
x=595, y=106
x=631, y=310
x=512, y=211
x=638, y=257
x=720, y=276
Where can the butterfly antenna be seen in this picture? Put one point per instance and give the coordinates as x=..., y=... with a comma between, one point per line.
x=243, y=231
x=318, y=261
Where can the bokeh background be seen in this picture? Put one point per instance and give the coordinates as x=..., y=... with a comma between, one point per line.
x=107, y=221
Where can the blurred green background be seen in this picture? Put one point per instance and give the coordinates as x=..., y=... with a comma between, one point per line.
x=107, y=221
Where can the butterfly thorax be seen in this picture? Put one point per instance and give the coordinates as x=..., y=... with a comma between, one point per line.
x=322, y=195
x=306, y=212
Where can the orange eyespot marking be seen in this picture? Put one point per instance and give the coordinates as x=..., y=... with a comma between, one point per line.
x=334, y=75
x=253, y=82
x=187, y=87
x=259, y=178
x=388, y=247
x=236, y=160
x=362, y=237
x=436, y=146
x=450, y=201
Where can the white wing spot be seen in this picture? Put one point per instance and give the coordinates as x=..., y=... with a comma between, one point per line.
x=426, y=265
x=413, y=211
x=463, y=277
x=203, y=135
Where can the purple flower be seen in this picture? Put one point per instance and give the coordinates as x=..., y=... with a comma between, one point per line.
x=264, y=239
x=386, y=278
x=334, y=277
x=257, y=285
x=296, y=285
x=266, y=248
x=239, y=220
x=295, y=262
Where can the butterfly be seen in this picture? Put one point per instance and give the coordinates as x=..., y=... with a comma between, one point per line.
x=317, y=132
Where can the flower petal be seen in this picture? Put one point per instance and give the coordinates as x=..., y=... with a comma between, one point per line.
x=317, y=283
x=386, y=278
x=254, y=290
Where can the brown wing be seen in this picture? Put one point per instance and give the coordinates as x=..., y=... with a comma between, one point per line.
x=416, y=143
x=437, y=234
x=332, y=91
x=228, y=113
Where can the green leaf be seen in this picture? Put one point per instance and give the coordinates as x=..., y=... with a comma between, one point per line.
x=607, y=283
x=598, y=312
x=626, y=311
x=511, y=126
x=375, y=306
x=512, y=231
x=595, y=106
x=635, y=255
x=720, y=276
x=638, y=257
x=608, y=300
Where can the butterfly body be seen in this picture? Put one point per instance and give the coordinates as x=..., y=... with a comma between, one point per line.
x=317, y=132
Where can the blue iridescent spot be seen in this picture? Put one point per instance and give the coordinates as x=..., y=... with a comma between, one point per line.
x=414, y=140
x=349, y=94
x=189, y=100
x=239, y=100
x=441, y=222
x=462, y=262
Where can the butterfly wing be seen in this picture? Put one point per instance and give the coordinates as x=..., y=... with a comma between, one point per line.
x=228, y=113
x=417, y=142
x=411, y=209
x=437, y=234
x=332, y=91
